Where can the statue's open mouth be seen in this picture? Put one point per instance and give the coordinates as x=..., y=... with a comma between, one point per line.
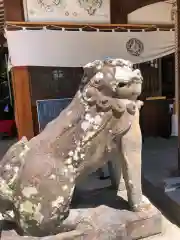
x=122, y=84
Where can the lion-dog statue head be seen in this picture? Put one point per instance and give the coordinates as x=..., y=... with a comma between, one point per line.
x=105, y=82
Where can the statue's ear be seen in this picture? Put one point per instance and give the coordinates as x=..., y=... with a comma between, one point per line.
x=92, y=68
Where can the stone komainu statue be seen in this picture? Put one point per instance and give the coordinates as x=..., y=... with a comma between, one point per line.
x=38, y=177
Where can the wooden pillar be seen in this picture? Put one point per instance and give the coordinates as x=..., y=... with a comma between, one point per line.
x=22, y=96
x=22, y=102
x=20, y=79
x=178, y=74
x=14, y=10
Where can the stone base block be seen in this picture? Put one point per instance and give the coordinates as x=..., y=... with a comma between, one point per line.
x=102, y=215
x=104, y=223
x=108, y=223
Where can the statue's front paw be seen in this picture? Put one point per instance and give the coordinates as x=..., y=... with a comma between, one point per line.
x=144, y=205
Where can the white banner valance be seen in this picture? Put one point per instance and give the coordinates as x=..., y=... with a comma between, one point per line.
x=67, y=11
x=76, y=48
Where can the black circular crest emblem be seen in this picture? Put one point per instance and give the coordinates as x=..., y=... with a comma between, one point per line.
x=135, y=47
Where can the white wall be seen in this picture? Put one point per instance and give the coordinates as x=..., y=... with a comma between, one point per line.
x=157, y=13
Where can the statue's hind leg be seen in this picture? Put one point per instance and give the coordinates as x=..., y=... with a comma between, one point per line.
x=10, y=166
x=9, y=217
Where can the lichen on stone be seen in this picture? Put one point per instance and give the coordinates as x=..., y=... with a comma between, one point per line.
x=37, y=215
x=7, y=167
x=27, y=207
x=52, y=177
x=10, y=215
x=29, y=191
x=58, y=202
x=5, y=189
x=65, y=187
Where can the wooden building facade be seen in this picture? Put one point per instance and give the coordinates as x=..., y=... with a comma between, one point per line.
x=31, y=83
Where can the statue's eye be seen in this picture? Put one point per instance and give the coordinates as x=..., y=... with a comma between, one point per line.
x=120, y=85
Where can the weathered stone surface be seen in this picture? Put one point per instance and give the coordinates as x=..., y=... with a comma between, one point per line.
x=38, y=177
x=104, y=223
x=112, y=224
x=116, y=213
x=74, y=235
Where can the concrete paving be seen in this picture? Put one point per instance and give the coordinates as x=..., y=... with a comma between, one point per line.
x=170, y=232
x=159, y=161
x=4, y=145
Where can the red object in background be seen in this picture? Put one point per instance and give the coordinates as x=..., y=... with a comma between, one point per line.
x=7, y=127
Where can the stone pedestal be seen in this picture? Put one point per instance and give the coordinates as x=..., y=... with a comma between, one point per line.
x=111, y=217
x=101, y=215
x=108, y=223
x=104, y=223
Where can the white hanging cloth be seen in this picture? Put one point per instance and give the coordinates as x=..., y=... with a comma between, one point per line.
x=76, y=48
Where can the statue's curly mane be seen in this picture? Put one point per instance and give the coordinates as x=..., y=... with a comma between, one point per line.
x=96, y=66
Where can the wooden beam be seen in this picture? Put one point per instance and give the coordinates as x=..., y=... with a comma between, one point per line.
x=118, y=15
x=18, y=24
x=22, y=96
x=14, y=10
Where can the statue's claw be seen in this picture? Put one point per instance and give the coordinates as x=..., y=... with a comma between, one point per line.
x=145, y=205
x=72, y=235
